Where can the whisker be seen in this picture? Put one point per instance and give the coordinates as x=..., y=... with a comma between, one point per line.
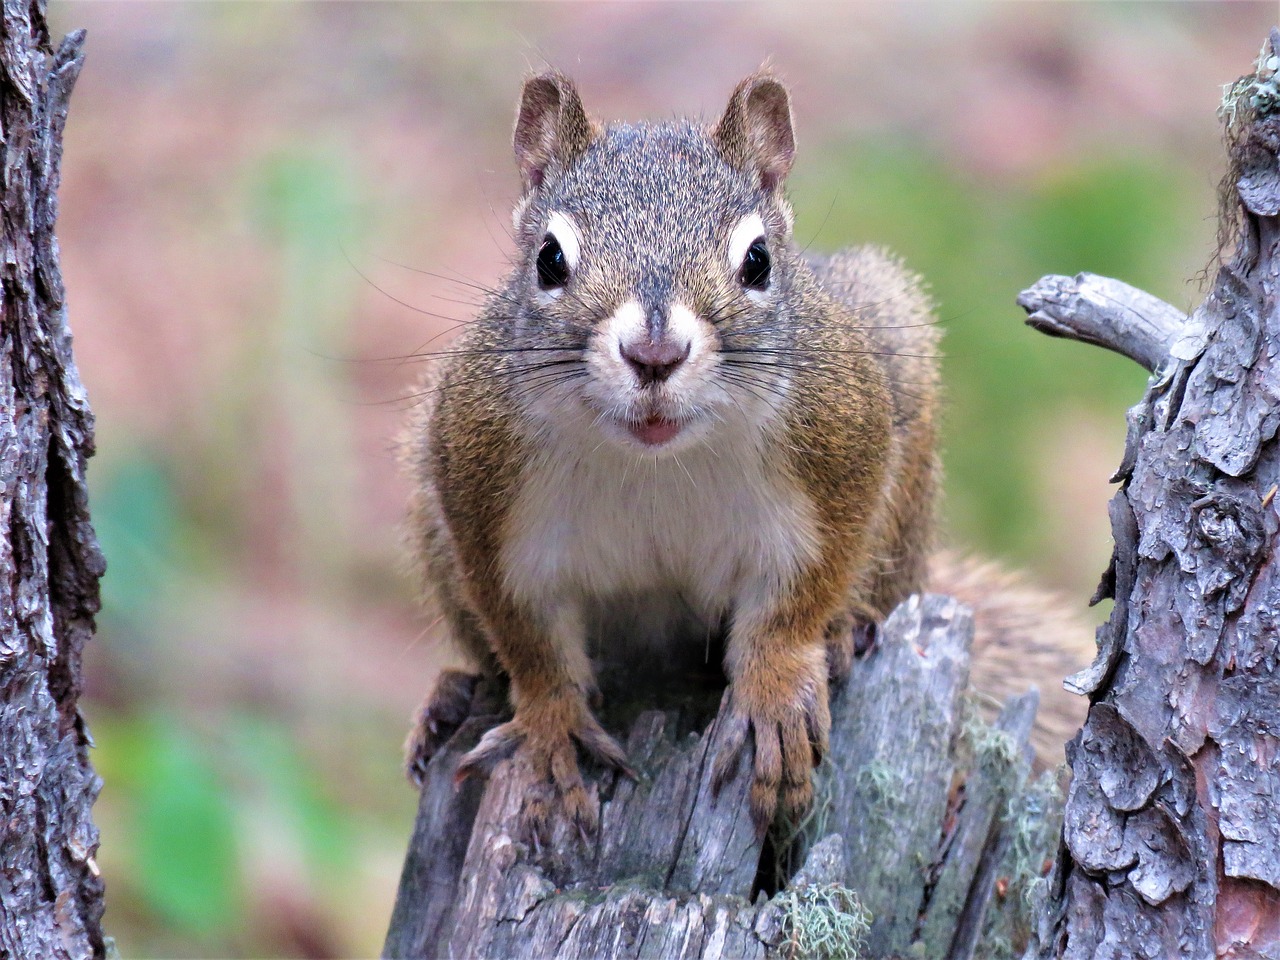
x=821, y=226
x=394, y=299
x=460, y=281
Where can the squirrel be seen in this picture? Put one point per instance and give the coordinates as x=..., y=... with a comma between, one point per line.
x=670, y=420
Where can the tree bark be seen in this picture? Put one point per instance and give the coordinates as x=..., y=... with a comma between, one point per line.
x=915, y=820
x=1171, y=844
x=50, y=891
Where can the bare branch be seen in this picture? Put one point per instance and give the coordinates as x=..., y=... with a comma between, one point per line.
x=1107, y=313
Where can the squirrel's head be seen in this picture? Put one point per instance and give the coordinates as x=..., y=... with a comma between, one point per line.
x=657, y=257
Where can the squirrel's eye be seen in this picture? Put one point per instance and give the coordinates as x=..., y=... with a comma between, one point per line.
x=754, y=272
x=553, y=269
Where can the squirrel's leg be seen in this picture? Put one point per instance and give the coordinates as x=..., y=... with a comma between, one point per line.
x=777, y=665
x=449, y=702
x=551, y=681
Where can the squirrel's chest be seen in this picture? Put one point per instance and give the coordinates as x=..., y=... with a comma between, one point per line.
x=709, y=525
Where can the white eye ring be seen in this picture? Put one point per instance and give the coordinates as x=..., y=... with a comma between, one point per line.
x=565, y=231
x=747, y=232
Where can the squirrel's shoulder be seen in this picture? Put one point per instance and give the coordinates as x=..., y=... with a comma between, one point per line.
x=888, y=298
x=891, y=307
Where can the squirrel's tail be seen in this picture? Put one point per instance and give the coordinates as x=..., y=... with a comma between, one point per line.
x=1023, y=635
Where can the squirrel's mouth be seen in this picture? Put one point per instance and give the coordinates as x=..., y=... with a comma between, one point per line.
x=654, y=430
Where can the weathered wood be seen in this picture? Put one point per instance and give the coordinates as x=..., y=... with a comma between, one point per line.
x=50, y=891
x=894, y=765
x=952, y=922
x=1107, y=313
x=1171, y=842
x=432, y=870
x=675, y=872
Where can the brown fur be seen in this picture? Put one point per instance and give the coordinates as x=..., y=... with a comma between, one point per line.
x=466, y=458
x=840, y=455
x=855, y=443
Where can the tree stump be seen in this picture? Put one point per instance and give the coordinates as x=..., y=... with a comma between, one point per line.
x=1171, y=846
x=922, y=809
x=50, y=891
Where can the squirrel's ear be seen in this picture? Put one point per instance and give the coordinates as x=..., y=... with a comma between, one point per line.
x=755, y=133
x=551, y=126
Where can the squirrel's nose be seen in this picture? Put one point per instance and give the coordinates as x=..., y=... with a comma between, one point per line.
x=653, y=361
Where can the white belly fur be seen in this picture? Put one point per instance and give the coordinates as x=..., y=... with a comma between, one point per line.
x=694, y=534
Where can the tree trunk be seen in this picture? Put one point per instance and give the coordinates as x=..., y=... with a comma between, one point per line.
x=50, y=892
x=922, y=811
x=1171, y=845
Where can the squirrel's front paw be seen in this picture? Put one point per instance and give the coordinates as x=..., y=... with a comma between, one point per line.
x=441, y=713
x=788, y=720
x=542, y=737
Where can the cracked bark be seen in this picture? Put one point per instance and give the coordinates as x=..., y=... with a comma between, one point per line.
x=1171, y=843
x=50, y=891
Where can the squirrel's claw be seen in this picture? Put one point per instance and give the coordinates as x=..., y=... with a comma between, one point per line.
x=787, y=741
x=440, y=715
x=849, y=637
x=496, y=745
x=602, y=747
x=544, y=746
x=737, y=726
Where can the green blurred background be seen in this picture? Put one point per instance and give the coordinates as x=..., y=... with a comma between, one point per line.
x=241, y=185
